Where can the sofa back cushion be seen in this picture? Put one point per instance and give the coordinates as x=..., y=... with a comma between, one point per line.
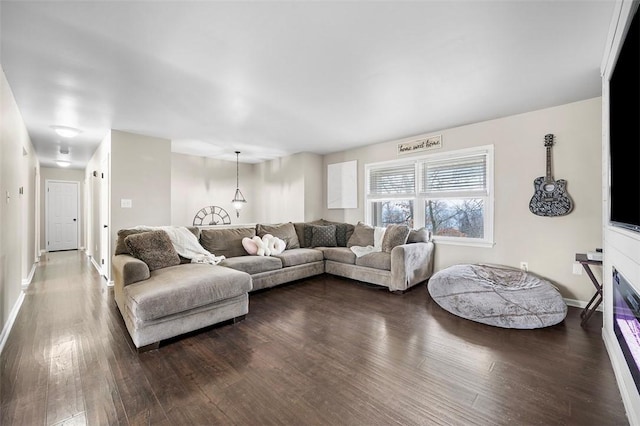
x=362, y=235
x=154, y=248
x=226, y=242
x=284, y=231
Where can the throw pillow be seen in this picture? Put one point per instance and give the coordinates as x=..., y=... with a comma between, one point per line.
x=362, y=235
x=323, y=236
x=121, y=247
x=343, y=231
x=226, y=242
x=307, y=232
x=395, y=235
x=154, y=248
x=284, y=231
x=422, y=235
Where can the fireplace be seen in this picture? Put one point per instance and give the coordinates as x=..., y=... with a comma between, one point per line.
x=626, y=323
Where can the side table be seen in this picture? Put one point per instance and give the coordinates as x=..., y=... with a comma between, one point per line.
x=596, y=300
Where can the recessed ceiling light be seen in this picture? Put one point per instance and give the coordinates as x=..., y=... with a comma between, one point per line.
x=63, y=163
x=66, y=132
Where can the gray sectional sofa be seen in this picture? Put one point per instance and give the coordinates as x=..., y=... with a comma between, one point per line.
x=160, y=300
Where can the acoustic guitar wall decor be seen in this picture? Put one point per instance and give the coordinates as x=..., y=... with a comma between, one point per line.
x=550, y=197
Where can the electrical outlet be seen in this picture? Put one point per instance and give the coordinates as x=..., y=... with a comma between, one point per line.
x=577, y=269
x=524, y=266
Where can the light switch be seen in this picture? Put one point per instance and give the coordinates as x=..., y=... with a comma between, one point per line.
x=126, y=203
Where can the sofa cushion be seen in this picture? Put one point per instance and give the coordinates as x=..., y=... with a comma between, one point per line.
x=323, y=236
x=395, y=235
x=378, y=260
x=252, y=264
x=299, y=256
x=422, y=235
x=181, y=288
x=284, y=231
x=362, y=235
x=154, y=248
x=339, y=254
x=226, y=242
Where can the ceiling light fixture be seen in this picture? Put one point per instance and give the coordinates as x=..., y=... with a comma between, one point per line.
x=63, y=163
x=66, y=132
x=238, y=199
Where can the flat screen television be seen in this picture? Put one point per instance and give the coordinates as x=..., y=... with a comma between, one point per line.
x=624, y=136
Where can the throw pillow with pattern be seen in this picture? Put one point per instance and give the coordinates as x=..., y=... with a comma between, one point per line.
x=323, y=236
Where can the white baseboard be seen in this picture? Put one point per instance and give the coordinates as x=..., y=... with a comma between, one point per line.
x=579, y=304
x=12, y=317
x=27, y=281
x=96, y=265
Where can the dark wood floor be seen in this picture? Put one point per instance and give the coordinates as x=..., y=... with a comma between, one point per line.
x=325, y=351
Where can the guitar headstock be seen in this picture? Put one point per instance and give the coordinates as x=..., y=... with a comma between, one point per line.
x=548, y=140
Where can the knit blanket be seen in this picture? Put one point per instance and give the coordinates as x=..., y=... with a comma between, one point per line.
x=186, y=244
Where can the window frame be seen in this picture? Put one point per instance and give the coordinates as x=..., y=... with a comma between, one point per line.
x=419, y=198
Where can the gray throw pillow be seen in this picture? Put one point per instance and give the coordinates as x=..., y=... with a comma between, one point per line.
x=421, y=235
x=343, y=231
x=362, y=235
x=394, y=235
x=285, y=231
x=226, y=242
x=154, y=248
x=323, y=236
x=121, y=247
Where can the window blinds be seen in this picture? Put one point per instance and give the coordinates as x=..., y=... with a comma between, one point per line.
x=467, y=174
x=400, y=179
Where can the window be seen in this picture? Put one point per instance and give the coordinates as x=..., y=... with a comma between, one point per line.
x=451, y=194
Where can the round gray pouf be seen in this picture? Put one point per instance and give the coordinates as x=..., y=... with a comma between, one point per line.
x=499, y=296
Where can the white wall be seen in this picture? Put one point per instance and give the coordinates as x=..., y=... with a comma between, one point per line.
x=197, y=182
x=289, y=189
x=286, y=189
x=548, y=244
x=140, y=172
x=621, y=247
x=18, y=169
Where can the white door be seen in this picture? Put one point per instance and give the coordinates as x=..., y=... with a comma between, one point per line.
x=62, y=215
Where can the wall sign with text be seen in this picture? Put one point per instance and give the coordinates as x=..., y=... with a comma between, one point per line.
x=419, y=145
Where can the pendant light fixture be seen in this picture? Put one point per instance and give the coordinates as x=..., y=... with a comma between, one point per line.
x=238, y=199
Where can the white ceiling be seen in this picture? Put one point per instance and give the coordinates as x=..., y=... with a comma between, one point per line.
x=276, y=78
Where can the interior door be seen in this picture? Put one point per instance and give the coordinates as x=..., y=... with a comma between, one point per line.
x=62, y=215
x=105, y=236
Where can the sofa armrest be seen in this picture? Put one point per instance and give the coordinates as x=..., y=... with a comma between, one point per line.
x=411, y=264
x=128, y=270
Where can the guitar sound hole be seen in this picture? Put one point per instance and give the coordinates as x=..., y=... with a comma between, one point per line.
x=549, y=187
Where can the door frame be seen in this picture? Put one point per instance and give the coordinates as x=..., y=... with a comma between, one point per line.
x=46, y=210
